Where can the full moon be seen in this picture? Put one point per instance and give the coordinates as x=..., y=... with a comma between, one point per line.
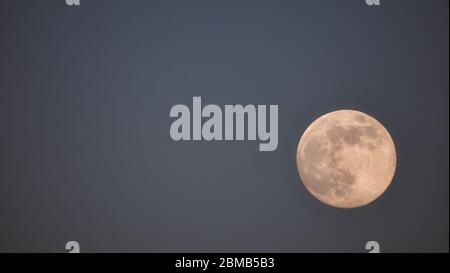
x=346, y=159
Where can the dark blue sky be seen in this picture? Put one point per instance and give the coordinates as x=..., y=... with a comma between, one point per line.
x=85, y=150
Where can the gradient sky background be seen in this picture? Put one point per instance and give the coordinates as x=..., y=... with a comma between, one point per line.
x=85, y=95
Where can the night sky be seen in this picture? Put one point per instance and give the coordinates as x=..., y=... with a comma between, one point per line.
x=85, y=150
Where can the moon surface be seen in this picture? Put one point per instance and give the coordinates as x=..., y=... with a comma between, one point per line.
x=346, y=159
